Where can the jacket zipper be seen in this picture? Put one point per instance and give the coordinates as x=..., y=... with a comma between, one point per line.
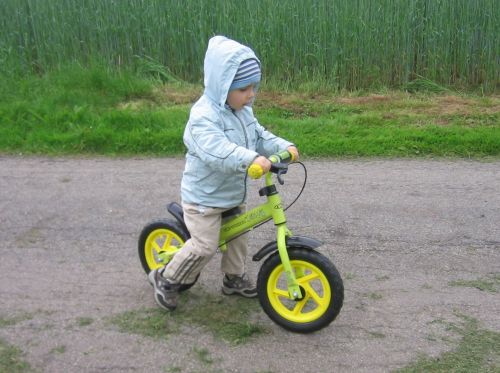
x=246, y=145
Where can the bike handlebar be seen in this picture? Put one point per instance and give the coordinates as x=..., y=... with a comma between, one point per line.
x=255, y=171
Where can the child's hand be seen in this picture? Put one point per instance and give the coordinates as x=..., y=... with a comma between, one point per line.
x=263, y=162
x=294, y=152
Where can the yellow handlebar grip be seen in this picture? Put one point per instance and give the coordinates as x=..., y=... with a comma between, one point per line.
x=255, y=171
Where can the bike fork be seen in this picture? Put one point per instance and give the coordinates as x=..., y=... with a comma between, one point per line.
x=293, y=286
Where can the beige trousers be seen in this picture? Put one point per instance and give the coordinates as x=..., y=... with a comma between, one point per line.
x=204, y=225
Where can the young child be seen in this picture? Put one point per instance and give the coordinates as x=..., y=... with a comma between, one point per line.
x=223, y=138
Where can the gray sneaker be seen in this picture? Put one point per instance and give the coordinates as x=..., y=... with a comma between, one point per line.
x=239, y=285
x=166, y=293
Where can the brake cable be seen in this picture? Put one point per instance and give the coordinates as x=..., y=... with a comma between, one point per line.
x=286, y=208
x=303, y=185
x=295, y=200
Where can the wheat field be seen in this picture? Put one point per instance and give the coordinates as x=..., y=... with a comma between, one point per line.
x=345, y=44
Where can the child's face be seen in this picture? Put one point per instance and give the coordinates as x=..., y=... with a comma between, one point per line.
x=237, y=98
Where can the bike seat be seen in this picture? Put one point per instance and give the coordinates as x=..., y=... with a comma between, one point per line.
x=176, y=210
x=232, y=212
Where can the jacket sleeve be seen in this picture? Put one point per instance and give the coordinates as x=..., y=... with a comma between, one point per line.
x=206, y=140
x=268, y=143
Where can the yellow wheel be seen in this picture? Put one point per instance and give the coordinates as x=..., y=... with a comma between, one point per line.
x=320, y=284
x=159, y=242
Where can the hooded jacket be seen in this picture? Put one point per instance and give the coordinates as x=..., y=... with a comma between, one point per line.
x=221, y=142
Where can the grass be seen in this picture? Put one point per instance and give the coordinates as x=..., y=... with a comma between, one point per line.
x=490, y=284
x=59, y=349
x=477, y=351
x=375, y=296
x=203, y=355
x=84, y=321
x=9, y=321
x=226, y=318
x=78, y=111
x=393, y=124
x=97, y=111
x=173, y=370
x=11, y=359
x=377, y=335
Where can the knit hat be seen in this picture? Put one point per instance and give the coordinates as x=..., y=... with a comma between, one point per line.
x=248, y=73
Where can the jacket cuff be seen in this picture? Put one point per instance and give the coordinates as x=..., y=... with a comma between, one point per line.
x=247, y=160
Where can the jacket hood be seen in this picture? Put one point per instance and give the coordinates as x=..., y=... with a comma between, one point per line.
x=222, y=59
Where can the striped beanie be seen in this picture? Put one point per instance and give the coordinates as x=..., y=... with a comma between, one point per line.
x=248, y=73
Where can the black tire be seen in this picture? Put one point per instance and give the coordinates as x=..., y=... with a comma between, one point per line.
x=317, y=308
x=159, y=231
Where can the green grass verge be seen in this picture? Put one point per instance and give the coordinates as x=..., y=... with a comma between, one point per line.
x=76, y=110
x=477, y=351
x=226, y=318
x=96, y=111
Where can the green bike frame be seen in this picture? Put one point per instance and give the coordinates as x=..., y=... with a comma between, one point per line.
x=271, y=209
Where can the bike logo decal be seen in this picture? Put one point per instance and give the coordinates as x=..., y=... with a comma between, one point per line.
x=257, y=215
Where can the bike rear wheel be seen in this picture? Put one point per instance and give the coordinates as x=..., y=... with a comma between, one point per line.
x=159, y=241
x=320, y=283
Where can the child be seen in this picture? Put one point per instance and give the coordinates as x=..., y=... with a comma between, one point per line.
x=223, y=138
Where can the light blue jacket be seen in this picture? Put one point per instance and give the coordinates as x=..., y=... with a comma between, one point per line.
x=222, y=143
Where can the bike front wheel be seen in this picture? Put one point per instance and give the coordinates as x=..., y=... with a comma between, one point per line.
x=320, y=283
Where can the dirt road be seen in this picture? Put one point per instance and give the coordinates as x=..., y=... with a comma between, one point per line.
x=401, y=232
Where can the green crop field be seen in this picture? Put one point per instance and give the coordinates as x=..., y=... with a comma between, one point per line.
x=341, y=44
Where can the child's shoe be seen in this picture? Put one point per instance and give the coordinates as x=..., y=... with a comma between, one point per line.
x=166, y=293
x=239, y=285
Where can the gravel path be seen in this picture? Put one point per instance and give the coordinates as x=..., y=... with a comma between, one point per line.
x=399, y=231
